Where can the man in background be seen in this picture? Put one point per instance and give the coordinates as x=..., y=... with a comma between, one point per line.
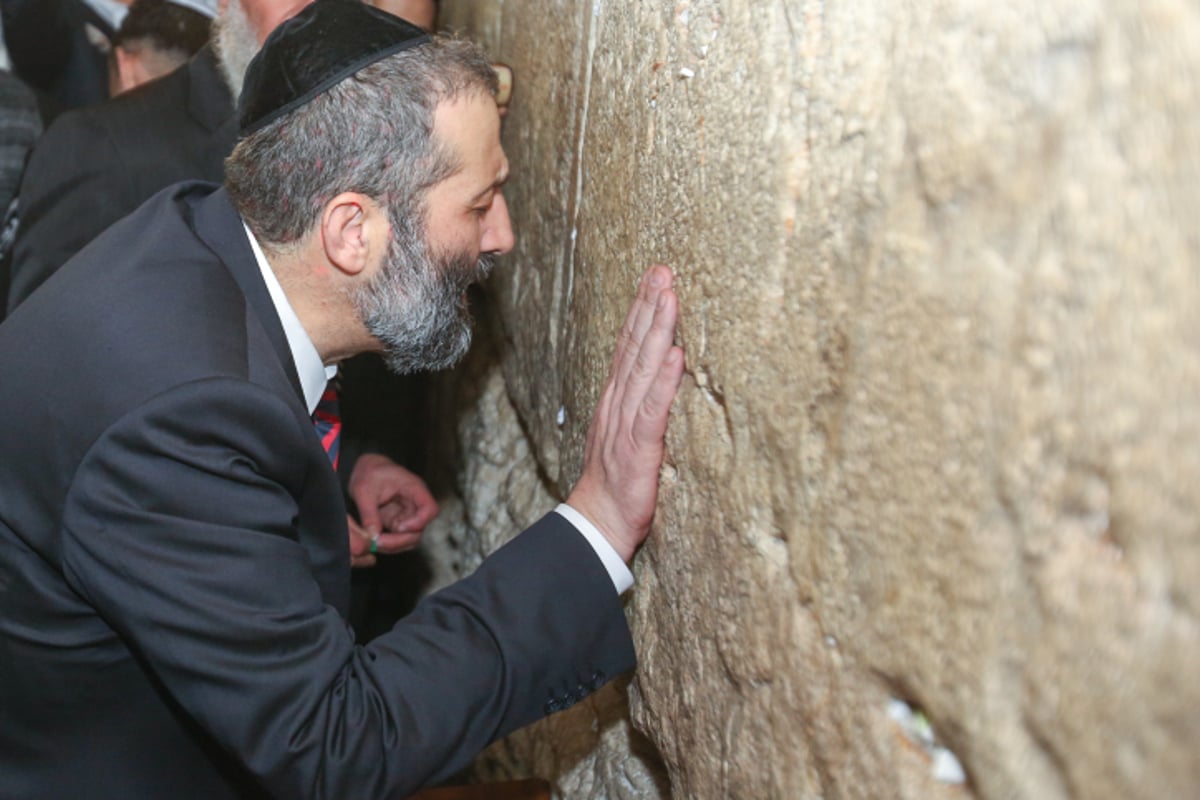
x=59, y=48
x=95, y=165
x=157, y=37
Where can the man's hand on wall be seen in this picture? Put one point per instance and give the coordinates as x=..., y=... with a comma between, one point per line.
x=394, y=506
x=618, y=489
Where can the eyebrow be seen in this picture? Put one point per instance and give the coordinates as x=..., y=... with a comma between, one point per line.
x=501, y=179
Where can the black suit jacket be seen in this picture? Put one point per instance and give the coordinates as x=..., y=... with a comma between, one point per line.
x=174, y=566
x=95, y=165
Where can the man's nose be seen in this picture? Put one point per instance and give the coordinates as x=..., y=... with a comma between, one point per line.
x=498, y=233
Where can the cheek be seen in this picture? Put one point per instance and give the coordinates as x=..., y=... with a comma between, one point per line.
x=458, y=235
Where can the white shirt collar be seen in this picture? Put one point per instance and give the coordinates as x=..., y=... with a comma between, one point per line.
x=314, y=375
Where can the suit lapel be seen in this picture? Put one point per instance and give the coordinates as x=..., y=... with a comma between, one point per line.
x=321, y=527
x=218, y=225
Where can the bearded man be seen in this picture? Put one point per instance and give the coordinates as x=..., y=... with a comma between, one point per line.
x=95, y=165
x=173, y=545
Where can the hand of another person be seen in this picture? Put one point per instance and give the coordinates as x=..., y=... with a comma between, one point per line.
x=360, y=544
x=394, y=506
x=618, y=489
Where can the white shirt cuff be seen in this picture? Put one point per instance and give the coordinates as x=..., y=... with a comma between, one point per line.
x=621, y=577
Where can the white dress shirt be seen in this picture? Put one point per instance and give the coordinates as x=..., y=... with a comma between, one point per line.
x=314, y=376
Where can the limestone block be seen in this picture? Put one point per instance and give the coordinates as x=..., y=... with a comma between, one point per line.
x=592, y=751
x=928, y=526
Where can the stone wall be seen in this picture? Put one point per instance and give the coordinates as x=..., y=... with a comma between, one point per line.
x=930, y=522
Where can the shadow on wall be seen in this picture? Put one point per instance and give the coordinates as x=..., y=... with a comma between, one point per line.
x=469, y=420
x=583, y=752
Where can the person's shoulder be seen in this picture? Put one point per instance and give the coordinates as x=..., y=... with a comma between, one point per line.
x=22, y=123
x=147, y=104
x=15, y=94
x=121, y=123
x=161, y=95
x=72, y=138
x=175, y=91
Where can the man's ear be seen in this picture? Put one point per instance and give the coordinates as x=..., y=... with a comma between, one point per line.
x=351, y=231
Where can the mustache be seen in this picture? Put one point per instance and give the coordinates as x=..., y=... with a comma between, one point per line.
x=462, y=271
x=484, y=266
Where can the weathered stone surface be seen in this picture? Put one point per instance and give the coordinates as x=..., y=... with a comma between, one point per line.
x=591, y=752
x=934, y=474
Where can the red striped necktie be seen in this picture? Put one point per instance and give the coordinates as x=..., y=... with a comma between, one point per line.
x=329, y=423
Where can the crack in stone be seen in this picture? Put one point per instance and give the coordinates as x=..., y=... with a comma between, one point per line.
x=580, y=145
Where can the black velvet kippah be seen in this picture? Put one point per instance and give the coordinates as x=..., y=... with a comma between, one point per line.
x=324, y=44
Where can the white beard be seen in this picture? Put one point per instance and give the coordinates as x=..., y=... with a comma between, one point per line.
x=236, y=44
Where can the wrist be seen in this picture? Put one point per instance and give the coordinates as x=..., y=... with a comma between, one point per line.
x=602, y=519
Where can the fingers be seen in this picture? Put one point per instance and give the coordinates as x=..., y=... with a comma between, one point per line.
x=410, y=510
x=360, y=544
x=365, y=544
x=641, y=315
x=389, y=543
x=650, y=424
x=365, y=550
x=360, y=539
x=390, y=499
x=368, y=509
x=618, y=487
x=654, y=348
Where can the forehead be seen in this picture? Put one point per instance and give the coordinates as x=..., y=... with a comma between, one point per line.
x=470, y=126
x=266, y=15
x=421, y=13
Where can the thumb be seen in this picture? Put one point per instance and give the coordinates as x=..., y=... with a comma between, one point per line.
x=360, y=540
x=368, y=514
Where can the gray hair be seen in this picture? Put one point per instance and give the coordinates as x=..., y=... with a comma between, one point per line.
x=372, y=133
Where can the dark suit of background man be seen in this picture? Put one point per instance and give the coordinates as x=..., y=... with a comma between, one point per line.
x=173, y=549
x=95, y=165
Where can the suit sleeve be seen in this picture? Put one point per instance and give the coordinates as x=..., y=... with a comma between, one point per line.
x=74, y=187
x=180, y=531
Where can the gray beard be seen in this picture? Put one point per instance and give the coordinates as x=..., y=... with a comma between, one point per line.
x=416, y=306
x=236, y=43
